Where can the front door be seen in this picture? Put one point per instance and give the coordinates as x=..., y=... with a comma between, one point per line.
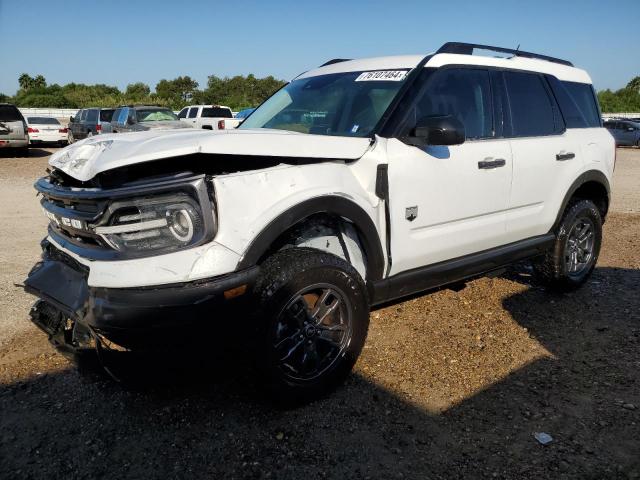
x=447, y=202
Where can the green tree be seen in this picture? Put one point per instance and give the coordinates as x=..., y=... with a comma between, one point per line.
x=634, y=84
x=25, y=81
x=178, y=91
x=137, y=90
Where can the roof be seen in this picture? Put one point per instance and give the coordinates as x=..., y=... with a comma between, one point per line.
x=560, y=70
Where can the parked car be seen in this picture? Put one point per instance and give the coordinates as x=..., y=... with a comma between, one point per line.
x=242, y=114
x=359, y=183
x=46, y=130
x=88, y=122
x=138, y=118
x=209, y=117
x=13, y=129
x=625, y=132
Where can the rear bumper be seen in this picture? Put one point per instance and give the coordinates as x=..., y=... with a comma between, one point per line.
x=133, y=316
x=12, y=143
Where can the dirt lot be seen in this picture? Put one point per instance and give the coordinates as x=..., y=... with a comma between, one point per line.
x=450, y=385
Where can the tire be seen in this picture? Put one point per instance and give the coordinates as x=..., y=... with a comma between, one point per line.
x=304, y=349
x=573, y=257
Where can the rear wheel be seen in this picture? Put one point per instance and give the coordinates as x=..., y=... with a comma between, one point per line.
x=313, y=321
x=575, y=252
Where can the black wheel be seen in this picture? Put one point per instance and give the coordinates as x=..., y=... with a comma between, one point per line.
x=575, y=252
x=313, y=319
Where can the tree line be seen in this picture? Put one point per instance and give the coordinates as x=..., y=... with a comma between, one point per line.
x=236, y=92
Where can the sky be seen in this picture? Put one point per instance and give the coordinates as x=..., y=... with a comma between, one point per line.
x=119, y=42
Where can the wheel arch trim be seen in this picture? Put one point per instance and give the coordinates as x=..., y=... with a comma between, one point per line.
x=595, y=176
x=329, y=204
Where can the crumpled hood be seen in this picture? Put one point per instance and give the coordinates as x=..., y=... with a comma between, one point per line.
x=85, y=159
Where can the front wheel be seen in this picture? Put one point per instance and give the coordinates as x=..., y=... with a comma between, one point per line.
x=575, y=252
x=313, y=321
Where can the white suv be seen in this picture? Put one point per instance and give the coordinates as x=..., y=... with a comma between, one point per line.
x=358, y=183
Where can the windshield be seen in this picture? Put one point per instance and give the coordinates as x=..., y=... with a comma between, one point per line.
x=43, y=121
x=155, y=115
x=342, y=104
x=106, y=114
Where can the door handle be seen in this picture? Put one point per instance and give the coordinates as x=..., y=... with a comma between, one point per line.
x=565, y=156
x=488, y=163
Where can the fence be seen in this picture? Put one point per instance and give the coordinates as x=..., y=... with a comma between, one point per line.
x=49, y=112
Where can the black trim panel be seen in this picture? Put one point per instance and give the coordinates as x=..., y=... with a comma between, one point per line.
x=451, y=271
x=326, y=204
x=588, y=176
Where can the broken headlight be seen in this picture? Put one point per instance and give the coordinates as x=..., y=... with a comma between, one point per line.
x=161, y=223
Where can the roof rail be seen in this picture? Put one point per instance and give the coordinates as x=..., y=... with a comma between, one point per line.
x=467, y=49
x=335, y=60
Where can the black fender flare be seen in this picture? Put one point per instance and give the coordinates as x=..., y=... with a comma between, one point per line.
x=331, y=204
x=588, y=176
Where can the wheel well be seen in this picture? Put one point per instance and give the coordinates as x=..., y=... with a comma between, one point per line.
x=328, y=232
x=597, y=193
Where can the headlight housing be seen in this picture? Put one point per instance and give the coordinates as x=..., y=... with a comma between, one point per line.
x=161, y=223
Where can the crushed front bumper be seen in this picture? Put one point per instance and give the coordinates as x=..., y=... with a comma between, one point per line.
x=129, y=317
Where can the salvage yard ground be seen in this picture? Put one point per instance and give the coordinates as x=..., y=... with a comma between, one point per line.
x=450, y=385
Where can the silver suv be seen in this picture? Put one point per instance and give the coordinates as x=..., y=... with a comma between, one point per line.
x=13, y=129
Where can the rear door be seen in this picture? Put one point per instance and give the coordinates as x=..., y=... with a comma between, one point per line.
x=192, y=116
x=547, y=157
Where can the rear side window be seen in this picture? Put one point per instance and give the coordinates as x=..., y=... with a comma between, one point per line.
x=193, y=112
x=92, y=116
x=106, y=115
x=211, y=112
x=532, y=109
x=464, y=93
x=9, y=113
x=583, y=97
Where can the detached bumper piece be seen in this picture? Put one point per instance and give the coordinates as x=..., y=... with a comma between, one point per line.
x=76, y=316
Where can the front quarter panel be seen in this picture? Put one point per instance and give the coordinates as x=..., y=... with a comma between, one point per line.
x=247, y=202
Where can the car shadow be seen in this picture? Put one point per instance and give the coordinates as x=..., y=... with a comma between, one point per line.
x=204, y=416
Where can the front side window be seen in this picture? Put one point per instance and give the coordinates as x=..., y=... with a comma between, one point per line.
x=532, y=111
x=83, y=115
x=155, y=115
x=339, y=104
x=183, y=113
x=193, y=112
x=464, y=93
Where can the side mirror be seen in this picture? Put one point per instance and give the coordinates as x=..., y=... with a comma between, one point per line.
x=72, y=119
x=437, y=130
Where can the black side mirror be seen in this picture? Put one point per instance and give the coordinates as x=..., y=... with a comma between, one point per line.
x=437, y=130
x=72, y=119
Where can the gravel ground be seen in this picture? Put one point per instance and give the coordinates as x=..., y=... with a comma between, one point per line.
x=450, y=385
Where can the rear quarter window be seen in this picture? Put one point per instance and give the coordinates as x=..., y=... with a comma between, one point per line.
x=585, y=100
x=92, y=116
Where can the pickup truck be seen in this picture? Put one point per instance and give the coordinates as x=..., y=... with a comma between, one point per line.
x=209, y=117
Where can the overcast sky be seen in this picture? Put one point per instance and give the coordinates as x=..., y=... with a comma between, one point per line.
x=120, y=42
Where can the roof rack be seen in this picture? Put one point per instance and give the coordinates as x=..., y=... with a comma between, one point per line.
x=467, y=49
x=335, y=60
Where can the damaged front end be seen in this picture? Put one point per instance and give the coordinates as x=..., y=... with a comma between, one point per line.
x=137, y=223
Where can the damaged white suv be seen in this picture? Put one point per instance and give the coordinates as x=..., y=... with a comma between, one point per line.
x=359, y=182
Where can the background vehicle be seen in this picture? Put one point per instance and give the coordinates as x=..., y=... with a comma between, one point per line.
x=209, y=117
x=358, y=183
x=88, y=122
x=13, y=129
x=140, y=118
x=625, y=132
x=46, y=130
